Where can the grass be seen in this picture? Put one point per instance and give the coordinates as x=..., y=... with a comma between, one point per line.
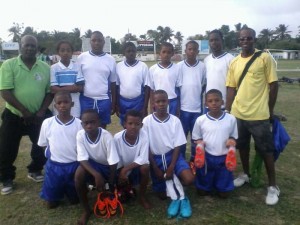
x=245, y=206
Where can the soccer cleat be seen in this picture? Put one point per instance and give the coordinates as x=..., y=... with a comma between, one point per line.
x=230, y=161
x=173, y=208
x=185, y=208
x=100, y=208
x=199, y=160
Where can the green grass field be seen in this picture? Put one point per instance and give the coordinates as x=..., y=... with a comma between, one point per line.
x=245, y=206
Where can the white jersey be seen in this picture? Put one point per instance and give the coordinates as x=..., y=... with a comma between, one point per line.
x=216, y=72
x=215, y=132
x=102, y=151
x=163, y=135
x=128, y=153
x=98, y=71
x=167, y=79
x=60, y=139
x=65, y=76
x=132, y=78
x=193, y=79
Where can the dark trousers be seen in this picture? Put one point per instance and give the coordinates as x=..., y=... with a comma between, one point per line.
x=11, y=131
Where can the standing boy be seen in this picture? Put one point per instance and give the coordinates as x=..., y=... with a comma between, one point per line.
x=25, y=87
x=193, y=85
x=217, y=131
x=217, y=64
x=58, y=136
x=253, y=106
x=166, y=76
x=133, y=148
x=166, y=136
x=98, y=159
x=133, y=91
x=99, y=72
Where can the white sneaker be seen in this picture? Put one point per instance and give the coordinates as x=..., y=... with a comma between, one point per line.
x=272, y=196
x=7, y=187
x=241, y=180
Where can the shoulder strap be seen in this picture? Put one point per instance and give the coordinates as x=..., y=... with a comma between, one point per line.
x=255, y=55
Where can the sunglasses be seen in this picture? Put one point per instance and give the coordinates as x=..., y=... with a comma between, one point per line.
x=246, y=39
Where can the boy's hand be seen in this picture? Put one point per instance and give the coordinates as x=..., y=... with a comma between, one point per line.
x=99, y=183
x=169, y=173
x=230, y=142
x=123, y=176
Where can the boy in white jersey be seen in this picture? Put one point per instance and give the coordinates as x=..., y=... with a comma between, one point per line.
x=217, y=64
x=193, y=85
x=166, y=76
x=133, y=148
x=58, y=136
x=99, y=72
x=66, y=76
x=217, y=131
x=133, y=91
x=166, y=136
x=98, y=159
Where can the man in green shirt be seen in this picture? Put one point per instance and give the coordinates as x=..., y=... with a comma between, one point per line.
x=24, y=85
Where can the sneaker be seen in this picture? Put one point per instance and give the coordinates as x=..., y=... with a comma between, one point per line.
x=7, y=187
x=36, y=176
x=272, y=196
x=241, y=180
x=173, y=208
x=185, y=208
x=230, y=161
x=199, y=160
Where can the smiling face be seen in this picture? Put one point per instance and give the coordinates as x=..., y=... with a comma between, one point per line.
x=246, y=42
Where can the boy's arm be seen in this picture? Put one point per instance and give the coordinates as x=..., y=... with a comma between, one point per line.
x=151, y=101
x=170, y=169
x=231, y=92
x=113, y=90
x=99, y=181
x=126, y=169
x=70, y=88
x=146, y=101
x=112, y=175
x=118, y=100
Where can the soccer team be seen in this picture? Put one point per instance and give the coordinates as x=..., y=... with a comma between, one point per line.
x=78, y=150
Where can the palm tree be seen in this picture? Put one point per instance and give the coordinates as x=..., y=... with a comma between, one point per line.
x=88, y=33
x=29, y=31
x=179, y=37
x=16, y=31
x=282, y=32
x=266, y=36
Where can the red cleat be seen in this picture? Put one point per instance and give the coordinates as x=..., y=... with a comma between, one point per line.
x=199, y=160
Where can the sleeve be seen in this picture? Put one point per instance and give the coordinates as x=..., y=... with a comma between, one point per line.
x=82, y=154
x=230, y=82
x=117, y=74
x=151, y=80
x=6, y=77
x=113, y=76
x=270, y=69
x=146, y=75
x=43, y=141
x=79, y=77
x=179, y=78
x=234, y=131
x=53, y=80
x=196, y=134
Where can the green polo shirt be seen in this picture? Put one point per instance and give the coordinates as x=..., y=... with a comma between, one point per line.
x=28, y=86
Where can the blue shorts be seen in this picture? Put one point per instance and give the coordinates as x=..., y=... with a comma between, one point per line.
x=214, y=175
x=103, y=107
x=59, y=181
x=126, y=104
x=173, y=105
x=188, y=120
x=181, y=164
x=104, y=170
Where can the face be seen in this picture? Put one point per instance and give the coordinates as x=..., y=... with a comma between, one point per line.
x=214, y=102
x=90, y=122
x=28, y=47
x=97, y=42
x=161, y=103
x=166, y=54
x=65, y=52
x=246, y=40
x=63, y=104
x=130, y=54
x=191, y=51
x=215, y=42
x=133, y=125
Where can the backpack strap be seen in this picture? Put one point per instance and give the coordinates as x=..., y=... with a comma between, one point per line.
x=255, y=55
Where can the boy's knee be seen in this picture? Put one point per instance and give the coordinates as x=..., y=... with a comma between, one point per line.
x=79, y=175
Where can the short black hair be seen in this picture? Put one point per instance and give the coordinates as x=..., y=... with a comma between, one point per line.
x=91, y=111
x=128, y=45
x=249, y=29
x=63, y=93
x=218, y=32
x=133, y=113
x=193, y=42
x=167, y=45
x=64, y=42
x=97, y=32
x=160, y=91
x=214, y=91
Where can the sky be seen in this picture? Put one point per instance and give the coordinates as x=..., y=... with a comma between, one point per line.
x=115, y=18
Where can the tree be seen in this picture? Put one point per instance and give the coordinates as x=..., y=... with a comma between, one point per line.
x=29, y=31
x=16, y=31
x=88, y=33
x=265, y=37
x=282, y=32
